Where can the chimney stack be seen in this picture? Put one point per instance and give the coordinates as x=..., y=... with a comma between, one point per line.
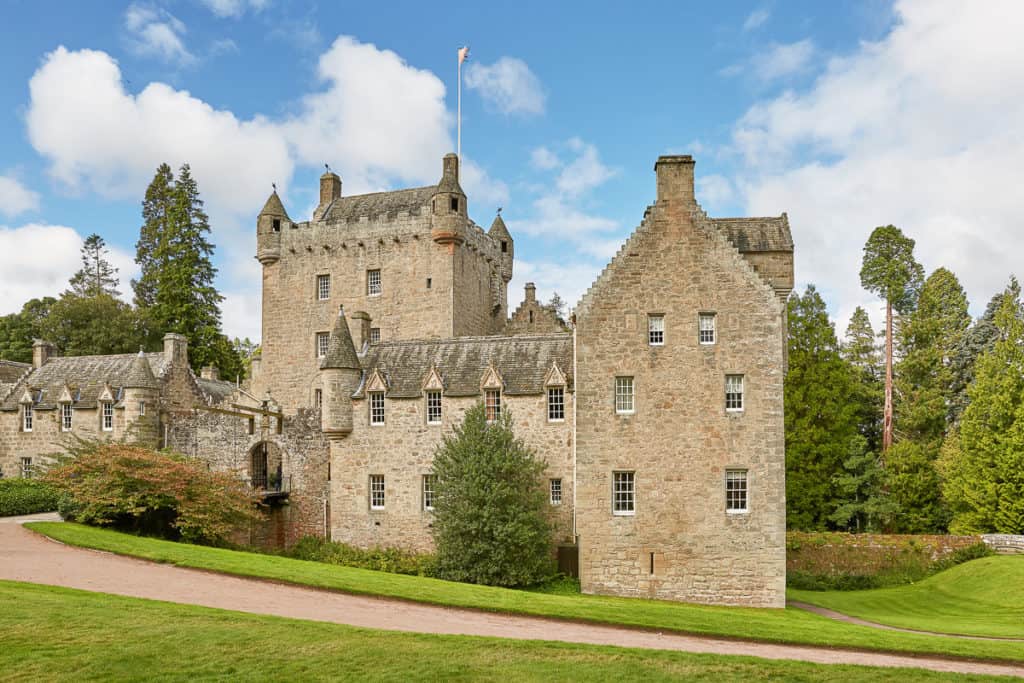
x=531, y=291
x=675, y=178
x=175, y=349
x=42, y=351
x=362, y=319
x=210, y=372
x=330, y=188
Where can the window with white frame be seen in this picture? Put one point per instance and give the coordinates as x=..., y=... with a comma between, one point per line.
x=736, y=490
x=734, y=393
x=656, y=330
x=376, y=407
x=373, y=283
x=429, y=480
x=624, y=403
x=706, y=328
x=376, y=491
x=318, y=398
x=323, y=340
x=26, y=417
x=26, y=468
x=374, y=335
x=66, y=413
x=556, y=491
x=624, y=493
x=492, y=404
x=107, y=416
x=323, y=287
x=556, y=404
x=433, y=407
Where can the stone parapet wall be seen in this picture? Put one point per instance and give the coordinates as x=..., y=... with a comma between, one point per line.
x=1005, y=544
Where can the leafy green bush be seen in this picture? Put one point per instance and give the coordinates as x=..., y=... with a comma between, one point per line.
x=27, y=497
x=394, y=560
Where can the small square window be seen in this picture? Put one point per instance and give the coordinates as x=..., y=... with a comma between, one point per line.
x=624, y=404
x=27, y=417
x=656, y=330
x=26, y=468
x=556, y=491
x=492, y=404
x=624, y=493
x=429, y=482
x=108, y=417
x=318, y=398
x=374, y=335
x=66, y=413
x=433, y=407
x=376, y=491
x=323, y=287
x=736, y=491
x=373, y=283
x=376, y=407
x=556, y=404
x=706, y=328
x=323, y=339
x=734, y=393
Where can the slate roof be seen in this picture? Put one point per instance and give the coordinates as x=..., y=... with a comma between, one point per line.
x=522, y=361
x=85, y=375
x=341, y=352
x=377, y=203
x=274, y=207
x=498, y=228
x=11, y=371
x=769, y=233
x=216, y=389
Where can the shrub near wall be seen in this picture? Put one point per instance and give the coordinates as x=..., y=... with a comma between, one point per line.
x=26, y=497
x=837, y=561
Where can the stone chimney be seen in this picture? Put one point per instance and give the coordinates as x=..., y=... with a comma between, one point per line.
x=256, y=363
x=675, y=178
x=210, y=372
x=42, y=351
x=531, y=292
x=330, y=188
x=175, y=349
x=363, y=321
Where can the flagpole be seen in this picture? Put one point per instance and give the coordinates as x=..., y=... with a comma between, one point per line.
x=458, y=125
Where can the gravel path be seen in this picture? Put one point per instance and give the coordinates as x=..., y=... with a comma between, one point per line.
x=29, y=557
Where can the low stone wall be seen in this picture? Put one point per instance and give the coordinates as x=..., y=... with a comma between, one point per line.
x=830, y=554
x=1005, y=544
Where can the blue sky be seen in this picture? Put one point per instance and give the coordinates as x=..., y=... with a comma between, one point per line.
x=845, y=115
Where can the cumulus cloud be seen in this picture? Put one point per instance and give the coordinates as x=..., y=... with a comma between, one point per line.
x=923, y=129
x=755, y=19
x=508, y=85
x=544, y=159
x=155, y=32
x=234, y=8
x=15, y=198
x=570, y=281
x=776, y=62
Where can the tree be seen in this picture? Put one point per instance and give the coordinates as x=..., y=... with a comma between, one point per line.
x=151, y=252
x=91, y=325
x=246, y=350
x=983, y=461
x=862, y=504
x=860, y=350
x=890, y=271
x=18, y=330
x=490, y=525
x=558, y=306
x=96, y=276
x=820, y=419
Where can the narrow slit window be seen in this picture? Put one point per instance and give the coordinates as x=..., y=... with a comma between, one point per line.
x=430, y=283
x=318, y=398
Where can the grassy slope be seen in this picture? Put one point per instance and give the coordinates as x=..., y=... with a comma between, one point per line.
x=63, y=634
x=789, y=625
x=984, y=597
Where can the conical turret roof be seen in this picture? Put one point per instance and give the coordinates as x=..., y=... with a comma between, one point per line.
x=140, y=374
x=498, y=228
x=274, y=207
x=341, y=352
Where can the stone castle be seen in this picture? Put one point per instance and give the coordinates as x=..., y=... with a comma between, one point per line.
x=658, y=408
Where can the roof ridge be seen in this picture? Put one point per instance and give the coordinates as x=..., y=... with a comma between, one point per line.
x=481, y=338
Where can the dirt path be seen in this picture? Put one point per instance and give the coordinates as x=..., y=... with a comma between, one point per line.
x=29, y=557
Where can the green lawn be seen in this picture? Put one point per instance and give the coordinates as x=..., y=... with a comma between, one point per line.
x=984, y=597
x=63, y=634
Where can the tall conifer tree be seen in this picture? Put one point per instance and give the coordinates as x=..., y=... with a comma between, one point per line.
x=97, y=275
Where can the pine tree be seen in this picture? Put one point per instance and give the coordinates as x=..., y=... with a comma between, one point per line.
x=97, y=275
x=151, y=252
x=558, y=305
x=863, y=505
x=821, y=421
x=861, y=351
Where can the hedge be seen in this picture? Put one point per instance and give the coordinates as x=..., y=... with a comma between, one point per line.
x=26, y=497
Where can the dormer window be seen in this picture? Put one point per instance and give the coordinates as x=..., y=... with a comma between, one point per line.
x=107, y=416
x=455, y=203
x=66, y=413
x=26, y=417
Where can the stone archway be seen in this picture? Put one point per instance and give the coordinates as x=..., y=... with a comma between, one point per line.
x=265, y=467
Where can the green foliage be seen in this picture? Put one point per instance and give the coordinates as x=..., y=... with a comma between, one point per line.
x=860, y=349
x=96, y=276
x=91, y=325
x=490, y=525
x=889, y=268
x=862, y=502
x=26, y=497
x=246, y=350
x=18, y=330
x=141, y=490
x=393, y=560
x=820, y=419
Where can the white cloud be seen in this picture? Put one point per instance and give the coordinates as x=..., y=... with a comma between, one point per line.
x=484, y=192
x=37, y=260
x=234, y=8
x=508, y=85
x=155, y=32
x=544, y=159
x=570, y=281
x=756, y=19
x=923, y=129
x=583, y=173
x=15, y=198
x=776, y=62
x=714, y=191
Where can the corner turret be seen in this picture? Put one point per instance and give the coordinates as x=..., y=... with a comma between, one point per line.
x=141, y=401
x=269, y=224
x=340, y=373
x=500, y=234
x=449, y=213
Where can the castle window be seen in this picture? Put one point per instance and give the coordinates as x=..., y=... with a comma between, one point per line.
x=429, y=283
x=492, y=404
x=376, y=491
x=433, y=407
x=736, y=491
x=142, y=408
x=624, y=404
x=376, y=407
x=624, y=493
x=277, y=225
x=318, y=398
x=26, y=468
x=323, y=339
x=429, y=481
x=107, y=416
x=455, y=203
x=66, y=412
x=706, y=328
x=504, y=247
x=374, y=335
x=556, y=491
x=734, y=393
x=531, y=316
x=656, y=330
x=323, y=287
x=556, y=404
x=373, y=284
x=26, y=417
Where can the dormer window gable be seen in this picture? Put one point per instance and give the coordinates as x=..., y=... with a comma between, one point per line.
x=555, y=377
x=433, y=381
x=492, y=379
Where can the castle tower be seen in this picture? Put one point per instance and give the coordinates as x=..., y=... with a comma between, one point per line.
x=268, y=229
x=448, y=207
x=500, y=233
x=340, y=373
x=141, y=402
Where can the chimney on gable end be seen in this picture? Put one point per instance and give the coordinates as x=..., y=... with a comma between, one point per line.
x=531, y=292
x=675, y=178
x=42, y=351
x=362, y=320
x=176, y=349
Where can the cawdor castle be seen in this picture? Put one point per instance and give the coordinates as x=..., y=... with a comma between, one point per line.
x=658, y=407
